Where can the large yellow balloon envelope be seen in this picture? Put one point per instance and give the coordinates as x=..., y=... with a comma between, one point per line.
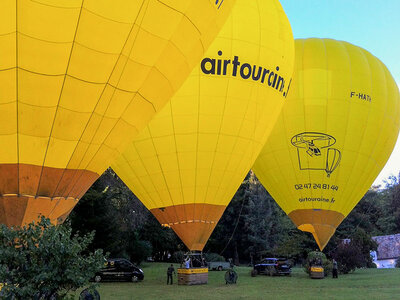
x=189, y=161
x=78, y=79
x=336, y=132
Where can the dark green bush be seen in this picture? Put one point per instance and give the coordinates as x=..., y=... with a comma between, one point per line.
x=43, y=261
x=397, y=263
x=178, y=257
x=140, y=251
x=349, y=257
x=213, y=257
x=356, y=253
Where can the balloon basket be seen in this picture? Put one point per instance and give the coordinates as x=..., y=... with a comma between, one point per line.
x=192, y=276
x=317, y=273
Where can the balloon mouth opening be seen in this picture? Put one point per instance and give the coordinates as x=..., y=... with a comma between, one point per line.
x=320, y=223
x=321, y=233
x=193, y=222
x=307, y=228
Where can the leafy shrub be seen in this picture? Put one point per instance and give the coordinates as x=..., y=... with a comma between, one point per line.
x=213, y=257
x=178, y=257
x=356, y=253
x=397, y=265
x=43, y=261
x=290, y=262
x=313, y=257
x=365, y=244
x=140, y=250
x=349, y=257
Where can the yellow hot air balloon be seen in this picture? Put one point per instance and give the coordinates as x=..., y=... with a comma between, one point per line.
x=189, y=161
x=336, y=132
x=78, y=80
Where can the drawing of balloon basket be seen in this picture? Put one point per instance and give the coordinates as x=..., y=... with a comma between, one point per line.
x=315, y=153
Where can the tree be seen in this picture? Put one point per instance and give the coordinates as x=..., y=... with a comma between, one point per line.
x=252, y=226
x=365, y=244
x=397, y=263
x=296, y=245
x=124, y=227
x=115, y=214
x=365, y=215
x=137, y=249
x=348, y=257
x=94, y=213
x=355, y=253
x=393, y=187
x=163, y=239
x=41, y=261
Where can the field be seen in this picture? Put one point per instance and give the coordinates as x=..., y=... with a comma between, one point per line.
x=362, y=284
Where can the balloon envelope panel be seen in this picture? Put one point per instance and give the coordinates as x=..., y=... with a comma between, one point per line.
x=335, y=134
x=77, y=83
x=191, y=158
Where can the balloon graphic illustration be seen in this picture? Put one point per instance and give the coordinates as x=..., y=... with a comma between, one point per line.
x=313, y=142
x=334, y=135
x=191, y=158
x=77, y=82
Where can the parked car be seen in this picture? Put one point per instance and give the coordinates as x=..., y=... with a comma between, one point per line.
x=119, y=269
x=272, y=266
x=218, y=265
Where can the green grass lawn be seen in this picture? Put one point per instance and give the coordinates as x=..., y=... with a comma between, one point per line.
x=362, y=284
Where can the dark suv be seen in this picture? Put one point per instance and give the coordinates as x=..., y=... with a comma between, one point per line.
x=272, y=266
x=119, y=269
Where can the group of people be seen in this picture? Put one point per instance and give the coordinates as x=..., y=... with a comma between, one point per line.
x=187, y=264
x=317, y=261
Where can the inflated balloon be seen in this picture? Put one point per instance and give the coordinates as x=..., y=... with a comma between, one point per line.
x=189, y=161
x=335, y=134
x=78, y=79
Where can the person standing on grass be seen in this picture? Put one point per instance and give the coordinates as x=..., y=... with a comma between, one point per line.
x=169, y=273
x=334, y=269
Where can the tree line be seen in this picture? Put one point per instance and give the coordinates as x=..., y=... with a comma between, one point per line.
x=252, y=226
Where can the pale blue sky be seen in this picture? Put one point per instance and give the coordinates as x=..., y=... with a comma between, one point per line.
x=373, y=25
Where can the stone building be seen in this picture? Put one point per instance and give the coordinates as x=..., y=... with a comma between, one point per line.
x=388, y=250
